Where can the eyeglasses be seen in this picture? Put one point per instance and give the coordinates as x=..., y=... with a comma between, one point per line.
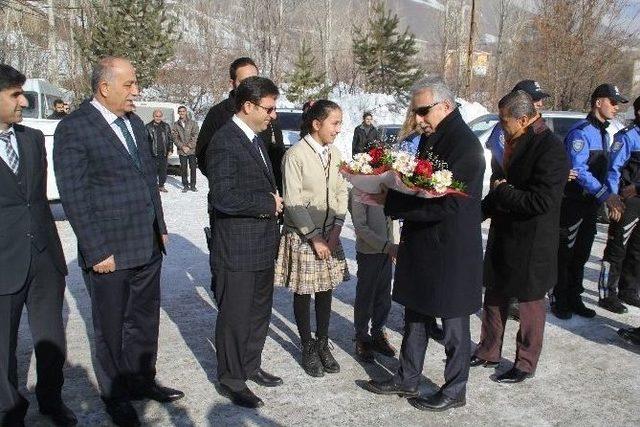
x=425, y=109
x=269, y=110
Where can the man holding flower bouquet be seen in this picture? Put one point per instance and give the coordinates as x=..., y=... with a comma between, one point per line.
x=439, y=265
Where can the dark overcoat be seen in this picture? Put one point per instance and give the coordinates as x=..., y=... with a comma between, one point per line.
x=439, y=265
x=521, y=259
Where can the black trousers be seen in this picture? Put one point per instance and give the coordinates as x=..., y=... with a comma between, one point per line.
x=244, y=301
x=210, y=245
x=621, y=261
x=189, y=161
x=161, y=162
x=373, y=295
x=577, y=232
x=457, y=346
x=125, y=307
x=43, y=295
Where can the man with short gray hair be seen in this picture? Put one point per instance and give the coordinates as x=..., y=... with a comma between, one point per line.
x=439, y=264
x=521, y=257
x=108, y=188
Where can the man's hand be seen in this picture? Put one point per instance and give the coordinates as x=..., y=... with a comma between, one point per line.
x=279, y=203
x=573, y=174
x=106, y=266
x=393, y=252
x=334, y=237
x=320, y=247
x=616, y=207
x=497, y=182
x=629, y=191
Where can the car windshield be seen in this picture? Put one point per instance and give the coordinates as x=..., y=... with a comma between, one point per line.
x=289, y=120
x=32, y=110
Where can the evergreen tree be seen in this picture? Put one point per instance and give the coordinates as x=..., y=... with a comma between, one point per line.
x=139, y=30
x=304, y=82
x=383, y=55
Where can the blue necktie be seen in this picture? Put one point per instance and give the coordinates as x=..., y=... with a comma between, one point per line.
x=131, y=145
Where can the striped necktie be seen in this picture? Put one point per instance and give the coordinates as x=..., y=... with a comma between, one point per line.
x=12, y=157
x=131, y=144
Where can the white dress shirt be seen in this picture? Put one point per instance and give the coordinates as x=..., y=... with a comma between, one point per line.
x=322, y=150
x=250, y=134
x=111, y=120
x=14, y=144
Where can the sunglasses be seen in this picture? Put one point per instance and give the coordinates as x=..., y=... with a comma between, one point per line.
x=425, y=109
x=269, y=110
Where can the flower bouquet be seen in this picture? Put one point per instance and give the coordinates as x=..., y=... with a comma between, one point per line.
x=379, y=169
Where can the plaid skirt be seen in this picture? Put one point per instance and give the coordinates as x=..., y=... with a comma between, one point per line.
x=299, y=269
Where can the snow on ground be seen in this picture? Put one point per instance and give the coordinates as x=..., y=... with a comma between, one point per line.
x=586, y=376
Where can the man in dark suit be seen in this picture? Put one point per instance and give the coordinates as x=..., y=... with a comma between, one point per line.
x=439, y=267
x=246, y=205
x=217, y=117
x=108, y=187
x=31, y=261
x=521, y=259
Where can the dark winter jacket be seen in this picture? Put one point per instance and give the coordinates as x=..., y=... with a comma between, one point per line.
x=522, y=249
x=160, y=138
x=439, y=267
x=364, y=137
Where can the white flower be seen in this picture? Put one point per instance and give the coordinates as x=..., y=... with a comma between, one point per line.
x=362, y=158
x=442, y=180
x=366, y=169
x=404, y=163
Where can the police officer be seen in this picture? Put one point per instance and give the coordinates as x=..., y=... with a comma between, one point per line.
x=587, y=144
x=620, y=270
x=495, y=143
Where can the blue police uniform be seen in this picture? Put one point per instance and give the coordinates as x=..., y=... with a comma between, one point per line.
x=495, y=144
x=587, y=145
x=620, y=272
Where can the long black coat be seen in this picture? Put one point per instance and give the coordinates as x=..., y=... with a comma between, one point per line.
x=522, y=249
x=439, y=267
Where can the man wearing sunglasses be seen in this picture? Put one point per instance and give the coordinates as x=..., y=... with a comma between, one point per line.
x=439, y=265
x=588, y=147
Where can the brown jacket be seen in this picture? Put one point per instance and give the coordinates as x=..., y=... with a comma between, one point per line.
x=186, y=135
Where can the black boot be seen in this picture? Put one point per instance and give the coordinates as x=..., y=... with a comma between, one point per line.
x=310, y=360
x=329, y=363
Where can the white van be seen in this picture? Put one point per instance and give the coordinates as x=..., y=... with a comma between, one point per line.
x=41, y=94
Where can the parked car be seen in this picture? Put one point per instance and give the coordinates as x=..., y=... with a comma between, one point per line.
x=289, y=120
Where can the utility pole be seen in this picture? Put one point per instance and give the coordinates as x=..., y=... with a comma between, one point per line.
x=53, y=44
x=472, y=30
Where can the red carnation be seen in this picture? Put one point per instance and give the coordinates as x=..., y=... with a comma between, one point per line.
x=376, y=155
x=424, y=168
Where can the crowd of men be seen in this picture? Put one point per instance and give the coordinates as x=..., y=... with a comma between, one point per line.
x=543, y=204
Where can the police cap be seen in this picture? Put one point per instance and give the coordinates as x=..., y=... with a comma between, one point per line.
x=610, y=91
x=533, y=88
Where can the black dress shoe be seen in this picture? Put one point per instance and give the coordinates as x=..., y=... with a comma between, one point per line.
x=381, y=344
x=476, y=361
x=265, y=379
x=631, y=335
x=613, y=304
x=244, y=397
x=193, y=188
x=512, y=376
x=158, y=393
x=581, y=310
x=60, y=415
x=437, y=402
x=122, y=413
x=364, y=353
x=388, y=388
x=630, y=299
x=561, y=312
